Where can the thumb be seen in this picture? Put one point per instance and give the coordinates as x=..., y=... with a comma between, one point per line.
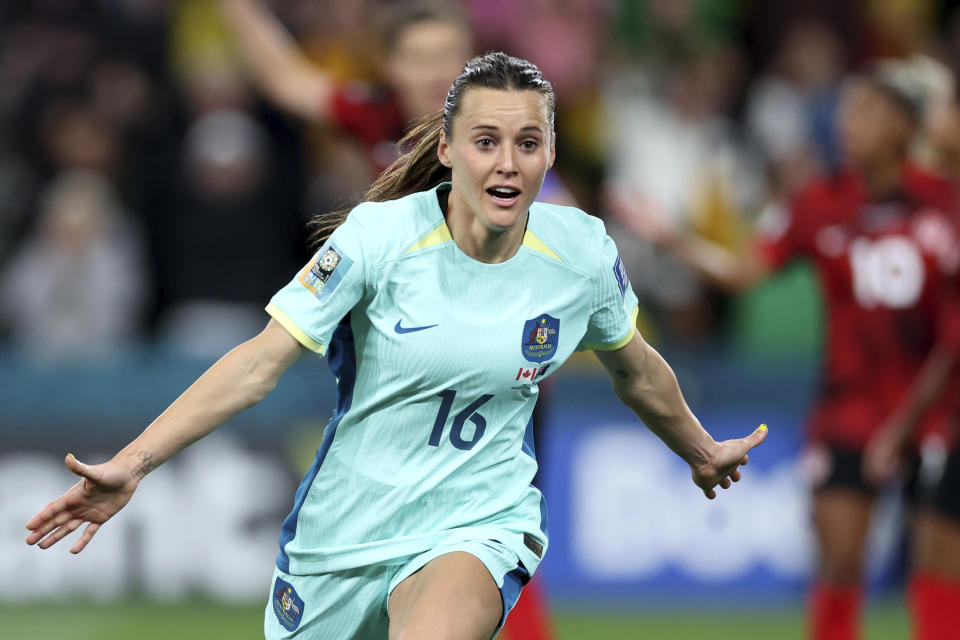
x=79, y=468
x=758, y=436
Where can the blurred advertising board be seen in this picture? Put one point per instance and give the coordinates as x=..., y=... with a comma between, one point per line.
x=626, y=523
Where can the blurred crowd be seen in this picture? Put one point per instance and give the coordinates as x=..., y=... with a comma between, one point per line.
x=152, y=189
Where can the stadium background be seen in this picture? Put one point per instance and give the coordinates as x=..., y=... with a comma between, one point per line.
x=150, y=203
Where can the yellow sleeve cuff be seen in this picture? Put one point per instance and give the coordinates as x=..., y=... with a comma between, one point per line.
x=619, y=344
x=277, y=314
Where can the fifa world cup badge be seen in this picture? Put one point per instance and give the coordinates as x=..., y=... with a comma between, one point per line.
x=322, y=275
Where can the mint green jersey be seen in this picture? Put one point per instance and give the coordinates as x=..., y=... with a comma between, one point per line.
x=437, y=358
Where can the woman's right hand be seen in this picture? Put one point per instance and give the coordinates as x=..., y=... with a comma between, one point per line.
x=640, y=216
x=102, y=491
x=883, y=458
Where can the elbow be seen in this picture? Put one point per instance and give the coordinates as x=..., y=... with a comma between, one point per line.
x=258, y=380
x=634, y=394
x=259, y=390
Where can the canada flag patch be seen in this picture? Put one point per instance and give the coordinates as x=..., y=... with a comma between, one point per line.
x=532, y=374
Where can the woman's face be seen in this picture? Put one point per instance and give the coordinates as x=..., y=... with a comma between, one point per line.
x=425, y=60
x=872, y=127
x=500, y=150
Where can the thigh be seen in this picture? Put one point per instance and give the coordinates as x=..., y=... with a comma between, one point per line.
x=348, y=604
x=842, y=505
x=453, y=596
x=459, y=590
x=842, y=519
x=936, y=544
x=936, y=530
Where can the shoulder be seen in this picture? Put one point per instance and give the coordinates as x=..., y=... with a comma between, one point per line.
x=826, y=190
x=929, y=188
x=568, y=231
x=826, y=200
x=388, y=229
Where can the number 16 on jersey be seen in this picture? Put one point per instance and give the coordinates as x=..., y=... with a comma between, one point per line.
x=456, y=430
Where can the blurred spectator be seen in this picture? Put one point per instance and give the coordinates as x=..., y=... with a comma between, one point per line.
x=76, y=288
x=75, y=136
x=790, y=106
x=674, y=151
x=227, y=233
x=659, y=32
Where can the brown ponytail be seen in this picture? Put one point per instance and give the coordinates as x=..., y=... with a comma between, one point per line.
x=418, y=169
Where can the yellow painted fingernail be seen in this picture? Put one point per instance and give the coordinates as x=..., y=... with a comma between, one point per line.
x=762, y=427
x=71, y=455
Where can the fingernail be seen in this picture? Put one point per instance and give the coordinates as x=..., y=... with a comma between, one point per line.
x=72, y=456
x=762, y=427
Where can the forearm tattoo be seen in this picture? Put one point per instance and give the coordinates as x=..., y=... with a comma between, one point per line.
x=622, y=374
x=146, y=465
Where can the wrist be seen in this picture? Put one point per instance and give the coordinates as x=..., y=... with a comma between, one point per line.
x=138, y=463
x=702, y=452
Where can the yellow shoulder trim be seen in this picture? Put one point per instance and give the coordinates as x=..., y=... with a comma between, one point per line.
x=619, y=344
x=535, y=243
x=277, y=314
x=438, y=236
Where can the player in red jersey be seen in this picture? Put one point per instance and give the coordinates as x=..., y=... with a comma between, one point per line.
x=426, y=45
x=934, y=590
x=883, y=243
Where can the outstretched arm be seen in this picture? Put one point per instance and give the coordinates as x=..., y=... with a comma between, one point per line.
x=237, y=381
x=645, y=382
x=728, y=270
x=278, y=66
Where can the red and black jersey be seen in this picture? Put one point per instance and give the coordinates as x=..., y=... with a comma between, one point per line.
x=887, y=271
x=371, y=115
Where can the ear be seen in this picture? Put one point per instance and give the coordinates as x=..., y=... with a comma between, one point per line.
x=553, y=151
x=443, y=150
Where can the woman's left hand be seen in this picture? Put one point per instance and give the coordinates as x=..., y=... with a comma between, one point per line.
x=723, y=468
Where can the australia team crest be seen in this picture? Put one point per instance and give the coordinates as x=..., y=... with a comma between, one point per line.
x=287, y=605
x=540, y=335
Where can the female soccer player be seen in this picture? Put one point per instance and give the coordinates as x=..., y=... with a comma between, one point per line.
x=880, y=236
x=425, y=44
x=934, y=589
x=441, y=301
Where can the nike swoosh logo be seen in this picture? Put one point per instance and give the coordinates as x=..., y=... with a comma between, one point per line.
x=400, y=329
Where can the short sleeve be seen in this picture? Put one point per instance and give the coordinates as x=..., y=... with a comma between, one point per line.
x=311, y=306
x=613, y=319
x=781, y=234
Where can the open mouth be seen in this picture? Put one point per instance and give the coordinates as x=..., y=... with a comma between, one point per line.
x=504, y=195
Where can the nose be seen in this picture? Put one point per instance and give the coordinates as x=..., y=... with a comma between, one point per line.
x=506, y=164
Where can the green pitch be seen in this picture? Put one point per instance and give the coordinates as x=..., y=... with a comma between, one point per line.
x=203, y=621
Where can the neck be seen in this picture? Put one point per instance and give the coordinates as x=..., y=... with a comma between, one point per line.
x=479, y=241
x=882, y=178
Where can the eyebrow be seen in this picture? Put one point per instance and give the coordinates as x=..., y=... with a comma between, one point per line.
x=490, y=127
